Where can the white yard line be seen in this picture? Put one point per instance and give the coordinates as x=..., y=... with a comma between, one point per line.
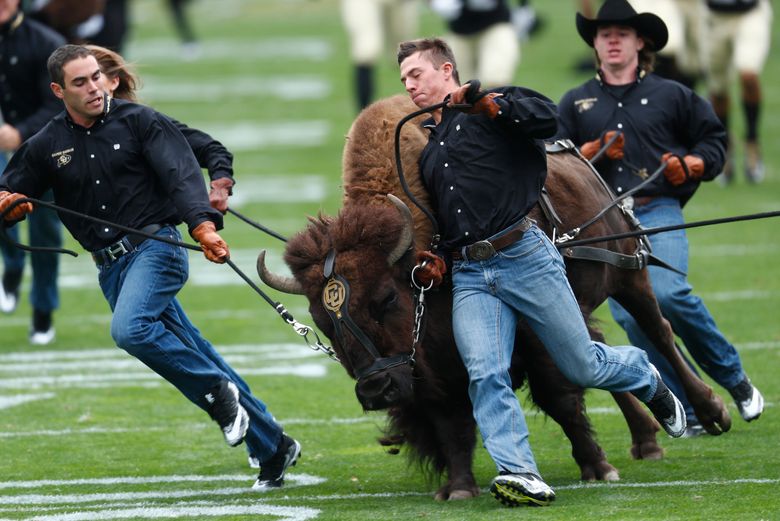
x=197, y=512
x=212, y=90
x=155, y=50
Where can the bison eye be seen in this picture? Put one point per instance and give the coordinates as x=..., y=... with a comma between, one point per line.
x=378, y=309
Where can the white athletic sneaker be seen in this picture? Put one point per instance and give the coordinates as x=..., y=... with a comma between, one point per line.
x=749, y=401
x=521, y=489
x=228, y=413
x=667, y=409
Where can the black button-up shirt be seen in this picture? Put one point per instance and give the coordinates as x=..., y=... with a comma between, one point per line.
x=210, y=153
x=26, y=100
x=132, y=167
x=656, y=116
x=485, y=174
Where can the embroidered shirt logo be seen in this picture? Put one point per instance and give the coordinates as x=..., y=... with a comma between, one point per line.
x=63, y=157
x=585, y=104
x=116, y=146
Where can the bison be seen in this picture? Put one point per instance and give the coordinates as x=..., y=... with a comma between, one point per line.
x=355, y=270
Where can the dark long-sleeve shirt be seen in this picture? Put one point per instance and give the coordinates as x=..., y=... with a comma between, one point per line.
x=210, y=153
x=656, y=116
x=485, y=174
x=26, y=100
x=132, y=167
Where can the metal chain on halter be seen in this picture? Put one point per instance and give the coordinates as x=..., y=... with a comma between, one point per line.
x=419, y=309
x=303, y=330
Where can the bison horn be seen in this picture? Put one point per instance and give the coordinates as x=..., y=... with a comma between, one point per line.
x=407, y=234
x=277, y=282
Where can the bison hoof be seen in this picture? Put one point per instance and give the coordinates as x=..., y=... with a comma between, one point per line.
x=445, y=494
x=600, y=472
x=647, y=450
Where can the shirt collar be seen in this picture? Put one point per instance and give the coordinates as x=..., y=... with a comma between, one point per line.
x=12, y=24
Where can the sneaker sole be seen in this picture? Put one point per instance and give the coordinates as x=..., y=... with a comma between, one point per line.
x=513, y=496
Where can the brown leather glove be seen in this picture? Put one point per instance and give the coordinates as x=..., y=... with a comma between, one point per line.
x=675, y=172
x=220, y=190
x=7, y=199
x=432, y=271
x=214, y=248
x=480, y=104
x=615, y=150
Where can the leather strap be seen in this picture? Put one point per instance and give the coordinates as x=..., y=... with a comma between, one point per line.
x=481, y=250
x=123, y=246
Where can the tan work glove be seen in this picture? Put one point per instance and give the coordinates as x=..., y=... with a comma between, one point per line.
x=432, y=272
x=470, y=93
x=677, y=174
x=7, y=199
x=214, y=248
x=220, y=190
x=615, y=150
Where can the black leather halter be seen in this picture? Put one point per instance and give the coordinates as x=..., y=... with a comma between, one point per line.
x=335, y=299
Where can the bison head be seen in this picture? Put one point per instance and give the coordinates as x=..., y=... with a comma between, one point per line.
x=355, y=271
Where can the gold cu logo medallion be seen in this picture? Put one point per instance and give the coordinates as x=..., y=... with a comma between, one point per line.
x=333, y=295
x=63, y=160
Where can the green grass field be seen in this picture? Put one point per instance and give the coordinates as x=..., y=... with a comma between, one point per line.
x=87, y=432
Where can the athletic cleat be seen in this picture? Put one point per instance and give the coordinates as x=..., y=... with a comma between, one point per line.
x=254, y=461
x=42, y=338
x=525, y=488
x=694, y=430
x=749, y=401
x=228, y=413
x=755, y=171
x=667, y=409
x=272, y=471
x=8, y=299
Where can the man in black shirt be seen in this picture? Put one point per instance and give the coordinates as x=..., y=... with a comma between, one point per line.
x=127, y=164
x=27, y=104
x=660, y=120
x=484, y=169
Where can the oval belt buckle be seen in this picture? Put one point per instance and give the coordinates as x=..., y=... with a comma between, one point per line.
x=481, y=250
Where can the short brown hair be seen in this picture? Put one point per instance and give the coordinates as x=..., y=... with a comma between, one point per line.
x=61, y=56
x=112, y=65
x=435, y=50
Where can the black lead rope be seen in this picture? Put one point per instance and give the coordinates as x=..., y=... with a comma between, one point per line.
x=661, y=229
x=301, y=329
x=257, y=225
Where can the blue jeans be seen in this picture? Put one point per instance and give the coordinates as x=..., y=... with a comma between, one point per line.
x=528, y=279
x=690, y=319
x=44, y=229
x=150, y=324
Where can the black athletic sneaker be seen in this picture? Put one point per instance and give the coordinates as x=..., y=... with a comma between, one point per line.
x=749, y=401
x=667, y=409
x=272, y=471
x=521, y=489
x=228, y=413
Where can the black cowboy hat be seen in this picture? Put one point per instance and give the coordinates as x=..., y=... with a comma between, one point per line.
x=619, y=12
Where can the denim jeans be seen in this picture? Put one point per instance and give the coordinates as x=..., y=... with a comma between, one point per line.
x=44, y=229
x=528, y=279
x=150, y=324
x=690, y=319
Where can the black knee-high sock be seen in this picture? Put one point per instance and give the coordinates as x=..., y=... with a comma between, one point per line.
x=751, y=120
x=364, y=84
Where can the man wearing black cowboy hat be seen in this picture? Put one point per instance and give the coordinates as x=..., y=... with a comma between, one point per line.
x=659, y=121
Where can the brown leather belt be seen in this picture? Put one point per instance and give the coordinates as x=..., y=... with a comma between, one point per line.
x=643, y=200
x=483, y=250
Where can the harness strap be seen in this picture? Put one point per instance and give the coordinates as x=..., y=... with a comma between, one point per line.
x=620, y=260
